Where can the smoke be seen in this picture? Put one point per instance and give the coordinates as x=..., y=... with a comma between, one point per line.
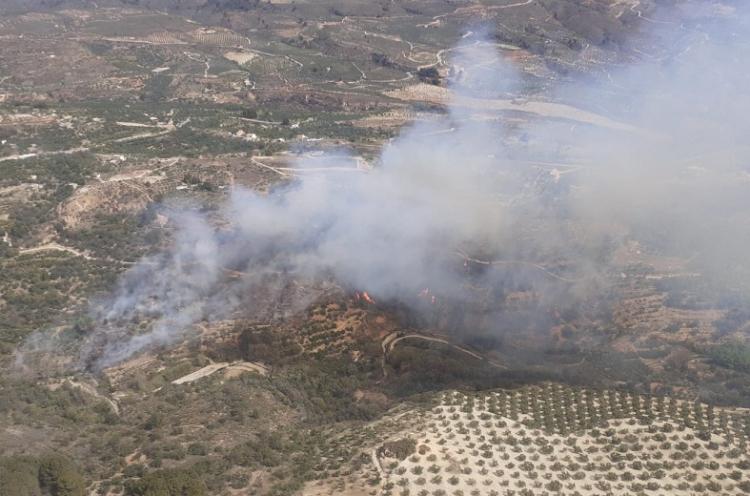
x=469, y=200
x=682, y=183
x=169, y=287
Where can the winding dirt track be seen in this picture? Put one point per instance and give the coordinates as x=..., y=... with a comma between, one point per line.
x=473, y=8
x=215, y=367
x=513, y=262
x=25, y=156
x=392, y=343
x=391, y=340
x=55, y=247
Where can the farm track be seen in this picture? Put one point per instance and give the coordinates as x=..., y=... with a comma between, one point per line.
x=391, y=340
x=26, y=156
x=166, y=129
x=473, y=9
x=467, y=258
x=211, y=369
x=55, y=247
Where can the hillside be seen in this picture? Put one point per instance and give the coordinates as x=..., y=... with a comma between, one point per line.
x=352, y=247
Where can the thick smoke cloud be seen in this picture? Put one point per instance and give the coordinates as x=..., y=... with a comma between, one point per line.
x=465, y=187
x=682, y=182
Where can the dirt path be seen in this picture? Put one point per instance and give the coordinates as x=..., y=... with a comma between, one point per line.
x=474, y=8
x=295, y=170
x=269, y=54
x=205, y=62
x=168, y=128
x=440, y=55
x=361, y=166
x=88, y=388
x=408, y=76
x=135, y=124
x=639, y=13
x=396, y=39
x=376, y=461
x=258, y=121
x=391, y=340
x=265, y=166
x=467, y=258
x=392, y=344
x=228, y=366
x=510, y=6
x=55, y=247
x=25, y=156
x=551, y=110
x=364, y=76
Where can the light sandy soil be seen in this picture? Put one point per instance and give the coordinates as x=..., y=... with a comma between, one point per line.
x=20, y=119
x=135, y=124
x=444, y=96
x=232, y=369
x=392, y=119
x=113, y=197
x=87, y=388
x=26, y=156
x=55, y=247
x=166, y=129
x=464, y=446
x=125, y=370
x=392, y=340
x=240, y=57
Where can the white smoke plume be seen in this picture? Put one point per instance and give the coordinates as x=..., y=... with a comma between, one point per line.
x=671, y=171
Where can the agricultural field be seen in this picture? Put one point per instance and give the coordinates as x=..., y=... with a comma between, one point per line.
x=551, y=439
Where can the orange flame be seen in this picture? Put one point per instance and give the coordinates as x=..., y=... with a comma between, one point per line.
x=367, y=298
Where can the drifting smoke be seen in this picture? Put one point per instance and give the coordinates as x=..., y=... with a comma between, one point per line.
x=669, y=171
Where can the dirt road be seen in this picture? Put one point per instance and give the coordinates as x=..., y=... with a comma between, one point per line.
x=25, y=156
x=391, y=340
x=215, y=367
x=54, y=247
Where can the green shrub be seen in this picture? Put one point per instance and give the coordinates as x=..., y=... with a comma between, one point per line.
x=134, y=470
x=173, y=482
x=197, y=449
x=52, y=475
x=264, y=451
x=400, y=448
x=732, y=355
